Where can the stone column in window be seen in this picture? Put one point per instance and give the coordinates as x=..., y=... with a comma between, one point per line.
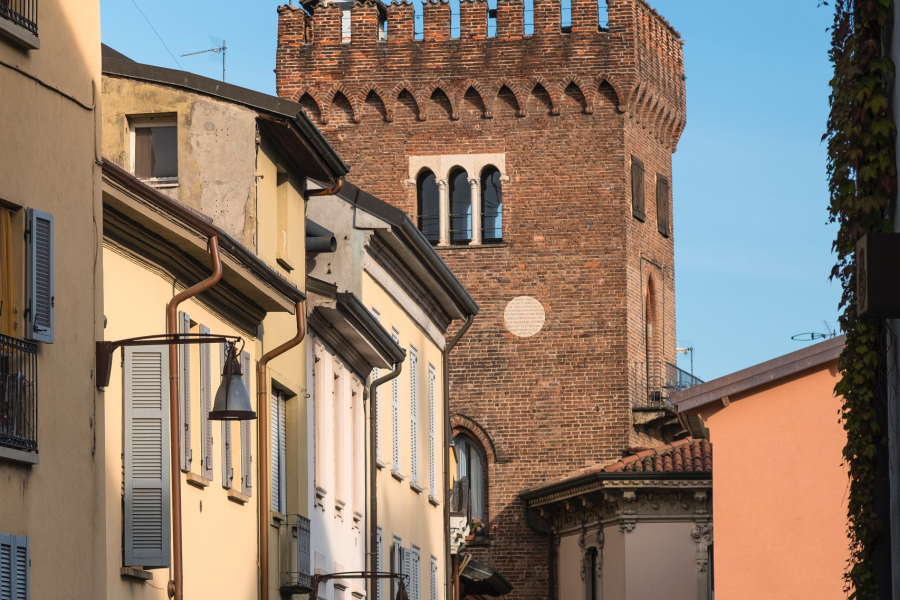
x=475, y=185
x=444, y=191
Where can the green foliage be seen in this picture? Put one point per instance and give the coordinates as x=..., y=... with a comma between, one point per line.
x=862, y=182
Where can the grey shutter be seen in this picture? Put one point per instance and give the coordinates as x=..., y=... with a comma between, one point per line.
x=246, y=446
x=407, y=570
x=414, y=415
x=431, y=432
x=396, y=565
x=662, y=205
x=414, y=566
x=379, y=562
x=282, y=425
x=434, y=570
x=395, y=414
x=376, y=411
x=39, y=287
x=206, y=380
x=15, y=567
x=276, y=455
x=227, y=472
x=184, y=392
x=146, y=451
x=637, y=188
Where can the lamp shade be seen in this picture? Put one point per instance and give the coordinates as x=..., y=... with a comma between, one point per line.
x=232, y=401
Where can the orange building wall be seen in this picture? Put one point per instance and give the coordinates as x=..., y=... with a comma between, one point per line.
x=779, y=490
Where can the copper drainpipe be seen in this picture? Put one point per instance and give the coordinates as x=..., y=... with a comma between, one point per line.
x=329, y=192
x=176, y=585
x=262, y=443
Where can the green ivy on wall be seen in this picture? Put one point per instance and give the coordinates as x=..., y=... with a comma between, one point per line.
x=862, y=181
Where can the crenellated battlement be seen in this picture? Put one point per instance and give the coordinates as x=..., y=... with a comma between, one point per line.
x=639, y=56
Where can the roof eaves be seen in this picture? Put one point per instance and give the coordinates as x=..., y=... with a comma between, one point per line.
x=757, y=375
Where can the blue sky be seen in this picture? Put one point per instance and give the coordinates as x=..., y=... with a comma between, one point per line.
x=752, y=243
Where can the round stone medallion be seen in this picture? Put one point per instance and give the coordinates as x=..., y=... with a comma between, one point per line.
x=524, y=316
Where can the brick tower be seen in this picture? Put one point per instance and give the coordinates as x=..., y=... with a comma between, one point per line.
x=580, y=124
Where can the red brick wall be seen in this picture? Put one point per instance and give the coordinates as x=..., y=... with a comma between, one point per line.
x=575, y=107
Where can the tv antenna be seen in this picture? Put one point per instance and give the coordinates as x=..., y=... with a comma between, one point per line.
x=220, y=47
x=813, y=336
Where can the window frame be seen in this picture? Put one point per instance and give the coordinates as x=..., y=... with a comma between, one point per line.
x=144, y=122
x=460, y=440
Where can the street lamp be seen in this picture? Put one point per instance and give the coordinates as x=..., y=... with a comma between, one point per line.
x=232, y=399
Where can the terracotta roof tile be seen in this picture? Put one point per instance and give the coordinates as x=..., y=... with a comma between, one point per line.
x=684, y=456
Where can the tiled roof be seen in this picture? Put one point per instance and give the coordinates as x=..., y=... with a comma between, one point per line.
x=684, y=456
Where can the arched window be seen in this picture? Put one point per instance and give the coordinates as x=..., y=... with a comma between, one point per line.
x=460, y=207
x=470, y=464
x=491, y=206
x=429, y=206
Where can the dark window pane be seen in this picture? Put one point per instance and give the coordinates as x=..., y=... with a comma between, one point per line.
x=143, y=150
x=165, y=152
x=662, y=205
x=460, y=208
x=491, y=205
x=429, y=206
x=637, y=189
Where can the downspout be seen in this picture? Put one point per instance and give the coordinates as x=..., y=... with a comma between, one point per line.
x=445, y=374
x=329, y=192
x=373, y=469
x=175, y=588
x=262, y=442
x=551, y=555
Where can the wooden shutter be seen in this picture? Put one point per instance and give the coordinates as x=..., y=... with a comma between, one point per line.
x=206, y=381
x=414, y=415
x=15, y=567
x=662, y=205
x=431, y=433
x=146, y=456
x=184, y=392
x=39, y=287
x=246, y=445
x=227, y=471
x=637, y=188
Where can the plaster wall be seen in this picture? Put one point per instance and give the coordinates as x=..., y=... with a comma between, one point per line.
x=216, y=148
x=661, y=556
x=614, y=564
x=48, y=145
x=403, y=510
x=780, y=490
x=219, y=536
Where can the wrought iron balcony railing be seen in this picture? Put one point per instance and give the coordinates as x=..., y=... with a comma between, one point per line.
x=293, y=543
x=18, y=393
x=652, y=383
x=23, y=13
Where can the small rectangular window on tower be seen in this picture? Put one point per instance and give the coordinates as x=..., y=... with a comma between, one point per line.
x=662, y=205
x=637, y=189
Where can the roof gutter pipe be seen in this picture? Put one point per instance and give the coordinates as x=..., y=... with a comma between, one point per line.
x=373, y=472
x=445, y=375
x=175, y=589
x=329, y=192
x=262, y=440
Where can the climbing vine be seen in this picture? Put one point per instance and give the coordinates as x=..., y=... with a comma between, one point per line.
x=862, y=181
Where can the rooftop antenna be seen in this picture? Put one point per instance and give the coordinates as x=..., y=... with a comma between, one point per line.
x=220, y=47
x=813, y=336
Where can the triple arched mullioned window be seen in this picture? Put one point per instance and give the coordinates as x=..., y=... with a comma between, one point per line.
x=461, y=209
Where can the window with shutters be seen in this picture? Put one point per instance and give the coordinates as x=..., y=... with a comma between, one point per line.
x=227, y=450
x=662, y=205
x=470, y=464
x=396, y=564
x=379, y=564
x=277, y=429
x=357, y=459
x=206, y=392
x=434, y=578
x=395, y=412
x=146, y=469
x=246, y=433
x=39, y=271
x=376, y=410
x=337, y=435
x=154, y=150
x=637, y=189
x=432, y=483
x=184, y=393
x=415, y=570
x=321, y=370
x=413, y=415
x=15, y=567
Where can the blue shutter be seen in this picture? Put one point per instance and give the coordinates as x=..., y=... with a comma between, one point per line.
x=15, y=567
x=146, y=457
x=39, y=285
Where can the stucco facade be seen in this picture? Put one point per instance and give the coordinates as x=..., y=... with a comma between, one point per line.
x=50, y=132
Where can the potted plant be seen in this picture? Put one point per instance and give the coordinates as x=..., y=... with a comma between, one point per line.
x=476, y=530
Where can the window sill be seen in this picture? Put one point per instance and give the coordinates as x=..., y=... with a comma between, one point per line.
x=416, y=487
x=472, y=246
x=276, y=518
x=20, y=456
x=18, y=35
x=238, y=498
x=380, y=464
x=197, y=481
x=397, y=475
x=135, y=573
x=434, y=501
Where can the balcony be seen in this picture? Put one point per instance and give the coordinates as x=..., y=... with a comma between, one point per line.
x=21, y=12
x=294, y=557
x=653, y=383
x=18, y=392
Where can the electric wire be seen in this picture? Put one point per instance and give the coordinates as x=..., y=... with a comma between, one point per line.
x=157, y=34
